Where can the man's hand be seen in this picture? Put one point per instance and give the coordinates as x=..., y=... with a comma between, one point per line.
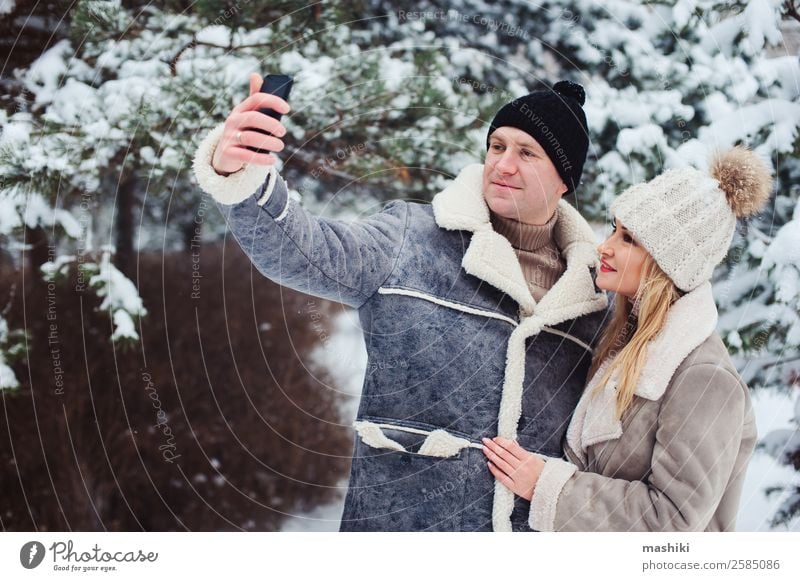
x=513, y=466
x=232, y=154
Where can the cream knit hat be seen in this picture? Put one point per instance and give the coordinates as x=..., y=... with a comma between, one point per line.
x=686, y=218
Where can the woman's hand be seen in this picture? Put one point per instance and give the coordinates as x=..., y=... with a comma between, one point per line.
x=513, y=466
x=232, y=153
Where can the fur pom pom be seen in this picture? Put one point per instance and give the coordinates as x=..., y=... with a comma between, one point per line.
x=745, y=179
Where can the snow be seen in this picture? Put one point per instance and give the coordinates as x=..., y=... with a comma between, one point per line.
x=395, y=72
x=218, y=35
x=37, y=212
x=323, y=518
x=120, y=297
x=7, y=7
x=743, y=124
x=344, y=356
x=641, y=139
x=68, y=222
x=773, y=411
x=75, y=103
x=123, y=326
x=57, y=267
x=762, y=24
x=310, y=77
x=14, y=133
x=44, y=75
x=782, y=70
x=783, y=255
x=7, y=378
x=9, y=216
x=682, y=12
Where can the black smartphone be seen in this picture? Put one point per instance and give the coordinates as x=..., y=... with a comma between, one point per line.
x=280, y=85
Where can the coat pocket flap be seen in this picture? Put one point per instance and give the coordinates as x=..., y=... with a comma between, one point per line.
x=372, y=435
x=438, y=443
x=443, y=444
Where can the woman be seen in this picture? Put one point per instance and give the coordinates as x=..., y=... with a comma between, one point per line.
x=663, y=433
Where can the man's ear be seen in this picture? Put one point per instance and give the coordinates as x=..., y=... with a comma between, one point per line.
x=563, y=189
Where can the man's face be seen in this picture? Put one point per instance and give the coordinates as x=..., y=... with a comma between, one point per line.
x=519, y=180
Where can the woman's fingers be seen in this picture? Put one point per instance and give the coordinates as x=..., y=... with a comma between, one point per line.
x=501, y=476
x=502, y=459
x=513, y=448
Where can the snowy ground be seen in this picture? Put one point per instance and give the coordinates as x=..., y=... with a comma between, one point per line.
x=773, y=411
x=345, y=357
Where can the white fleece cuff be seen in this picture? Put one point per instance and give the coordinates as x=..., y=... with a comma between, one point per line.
x=545, y=496
x=230, y=189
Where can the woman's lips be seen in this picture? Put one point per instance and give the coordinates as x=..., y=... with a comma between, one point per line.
x=605, y=267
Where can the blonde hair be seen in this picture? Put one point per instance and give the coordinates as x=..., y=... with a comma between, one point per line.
x=625, y=339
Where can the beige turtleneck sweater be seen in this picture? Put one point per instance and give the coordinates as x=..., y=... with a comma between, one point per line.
x=539, y=257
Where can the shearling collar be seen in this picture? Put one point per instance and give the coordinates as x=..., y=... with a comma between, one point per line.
x=690, y=321
x=490, y=256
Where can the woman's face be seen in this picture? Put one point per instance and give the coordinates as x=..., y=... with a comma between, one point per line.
x=621, y=261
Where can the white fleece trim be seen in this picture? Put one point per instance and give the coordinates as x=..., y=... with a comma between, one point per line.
x=690, y=321
x=461, y=206
x=445, y=303
x=502, y=507
x=510, y=411
x=285, y=210
x=230, y=189
x=567, y=336
x=443, y=444
x=603, y=423
x=573, y=295
x=272, y=174
x=398, y=428
x=491, y=257
x=554, y=476
x=374, y=437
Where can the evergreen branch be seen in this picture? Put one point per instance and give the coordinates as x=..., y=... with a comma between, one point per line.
x=173, y=63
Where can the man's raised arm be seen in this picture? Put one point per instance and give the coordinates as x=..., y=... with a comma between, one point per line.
x=341, y=261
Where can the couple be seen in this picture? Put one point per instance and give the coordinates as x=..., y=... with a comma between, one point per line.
x=489, y=298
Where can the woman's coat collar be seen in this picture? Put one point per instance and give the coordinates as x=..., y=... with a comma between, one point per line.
x=690, y=321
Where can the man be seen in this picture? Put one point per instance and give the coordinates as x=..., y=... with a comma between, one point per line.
x=485, y=298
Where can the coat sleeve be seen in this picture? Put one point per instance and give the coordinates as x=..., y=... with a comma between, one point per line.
x=700, y=427
x=342, y=261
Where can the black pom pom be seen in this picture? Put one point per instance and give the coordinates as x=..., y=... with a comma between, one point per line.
x=570, y=89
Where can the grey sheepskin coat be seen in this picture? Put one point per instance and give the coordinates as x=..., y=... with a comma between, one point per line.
x=459, y=347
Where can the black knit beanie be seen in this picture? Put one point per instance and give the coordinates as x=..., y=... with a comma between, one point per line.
x=555, y=119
